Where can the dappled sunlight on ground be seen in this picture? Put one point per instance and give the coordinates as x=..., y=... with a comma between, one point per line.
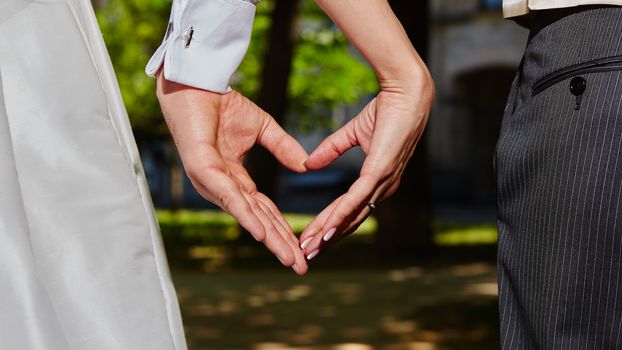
x=413, y=308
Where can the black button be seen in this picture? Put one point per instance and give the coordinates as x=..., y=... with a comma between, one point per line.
x=577, y=86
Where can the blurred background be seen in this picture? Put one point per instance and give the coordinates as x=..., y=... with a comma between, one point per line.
x=419, y=274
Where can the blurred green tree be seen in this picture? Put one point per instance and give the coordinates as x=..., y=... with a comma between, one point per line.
x=133, y=30
x=325, y=71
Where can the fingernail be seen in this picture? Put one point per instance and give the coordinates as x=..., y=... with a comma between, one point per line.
x=329, y=234
x=313, y=254
x=305, y=243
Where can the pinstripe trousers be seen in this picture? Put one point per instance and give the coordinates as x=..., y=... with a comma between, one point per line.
x=559, y=172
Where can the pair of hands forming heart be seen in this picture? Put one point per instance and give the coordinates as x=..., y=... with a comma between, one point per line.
x=214, y=132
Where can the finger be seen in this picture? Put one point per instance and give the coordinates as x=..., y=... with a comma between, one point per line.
x=262, y=198
x=332, y=147
x=273, y=213
x=242, y=176
x=314, y=228
x=274, y=241
x=284, y=147
x=353, y=225
x=340, y=216
x=220, y=189
x=300, y=263
x=350, y=205
x=319, y=244
x=314, y=240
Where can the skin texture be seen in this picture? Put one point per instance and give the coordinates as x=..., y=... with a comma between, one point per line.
x=387, y=129
x=213, y=133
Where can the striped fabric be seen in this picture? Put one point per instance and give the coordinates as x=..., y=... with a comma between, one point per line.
x=559, y=173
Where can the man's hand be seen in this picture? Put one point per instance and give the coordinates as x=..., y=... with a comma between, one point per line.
x=213, y=133
x=387, y=130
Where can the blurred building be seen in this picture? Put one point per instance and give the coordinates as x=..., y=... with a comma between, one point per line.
x=474, y=54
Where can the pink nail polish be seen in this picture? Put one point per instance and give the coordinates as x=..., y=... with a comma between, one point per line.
x=329, y=234
x=313, y=254
x=305, y=243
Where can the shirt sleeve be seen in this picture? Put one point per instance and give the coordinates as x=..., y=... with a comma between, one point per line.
x=205, y=42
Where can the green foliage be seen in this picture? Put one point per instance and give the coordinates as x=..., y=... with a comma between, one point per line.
x=133, y=30
x=247, y=79
x=325, y=71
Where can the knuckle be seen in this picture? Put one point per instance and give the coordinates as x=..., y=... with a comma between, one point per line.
x=196, y=171
x=260, y=236
x=253, y=206
x=341, y=215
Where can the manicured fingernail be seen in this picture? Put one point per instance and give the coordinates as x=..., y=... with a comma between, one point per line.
x=313, y=254
x=305, y=243
x=329, y=234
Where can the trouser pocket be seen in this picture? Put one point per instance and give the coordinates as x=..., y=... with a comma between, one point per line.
x=577, y=83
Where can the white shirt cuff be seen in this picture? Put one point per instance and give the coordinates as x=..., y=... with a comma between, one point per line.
x=205, y=42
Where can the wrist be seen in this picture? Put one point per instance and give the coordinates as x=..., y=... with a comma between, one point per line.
x=408, y=78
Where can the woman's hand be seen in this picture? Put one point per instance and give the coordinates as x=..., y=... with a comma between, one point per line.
x=213, y=134
x=387, y=130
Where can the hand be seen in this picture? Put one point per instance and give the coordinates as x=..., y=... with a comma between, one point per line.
x=387, y=130
x=213, y=133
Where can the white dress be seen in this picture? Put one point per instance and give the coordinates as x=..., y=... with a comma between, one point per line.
x=82, y=266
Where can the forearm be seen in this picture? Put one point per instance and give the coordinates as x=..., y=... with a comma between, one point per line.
x=373, y=29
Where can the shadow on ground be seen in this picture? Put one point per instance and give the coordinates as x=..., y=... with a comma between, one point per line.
x=411, y=308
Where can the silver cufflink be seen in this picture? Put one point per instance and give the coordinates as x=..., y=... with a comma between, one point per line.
x=188, y=36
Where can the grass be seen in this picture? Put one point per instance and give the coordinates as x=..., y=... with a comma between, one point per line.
x=455, y=235
x=249, y=303
x=386, y=309
x=213, y=226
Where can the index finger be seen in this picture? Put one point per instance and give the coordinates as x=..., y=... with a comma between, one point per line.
x=350, y=205
x=283, y=146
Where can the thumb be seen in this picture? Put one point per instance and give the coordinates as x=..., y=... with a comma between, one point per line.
x=333, y=147
x=283, y=146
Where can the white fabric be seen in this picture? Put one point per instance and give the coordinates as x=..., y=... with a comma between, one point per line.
x=514, y=8
x=81, y=260
x=222, y=31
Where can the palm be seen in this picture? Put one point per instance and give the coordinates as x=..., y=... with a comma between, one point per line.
x=213, y=133
x=240, y=125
